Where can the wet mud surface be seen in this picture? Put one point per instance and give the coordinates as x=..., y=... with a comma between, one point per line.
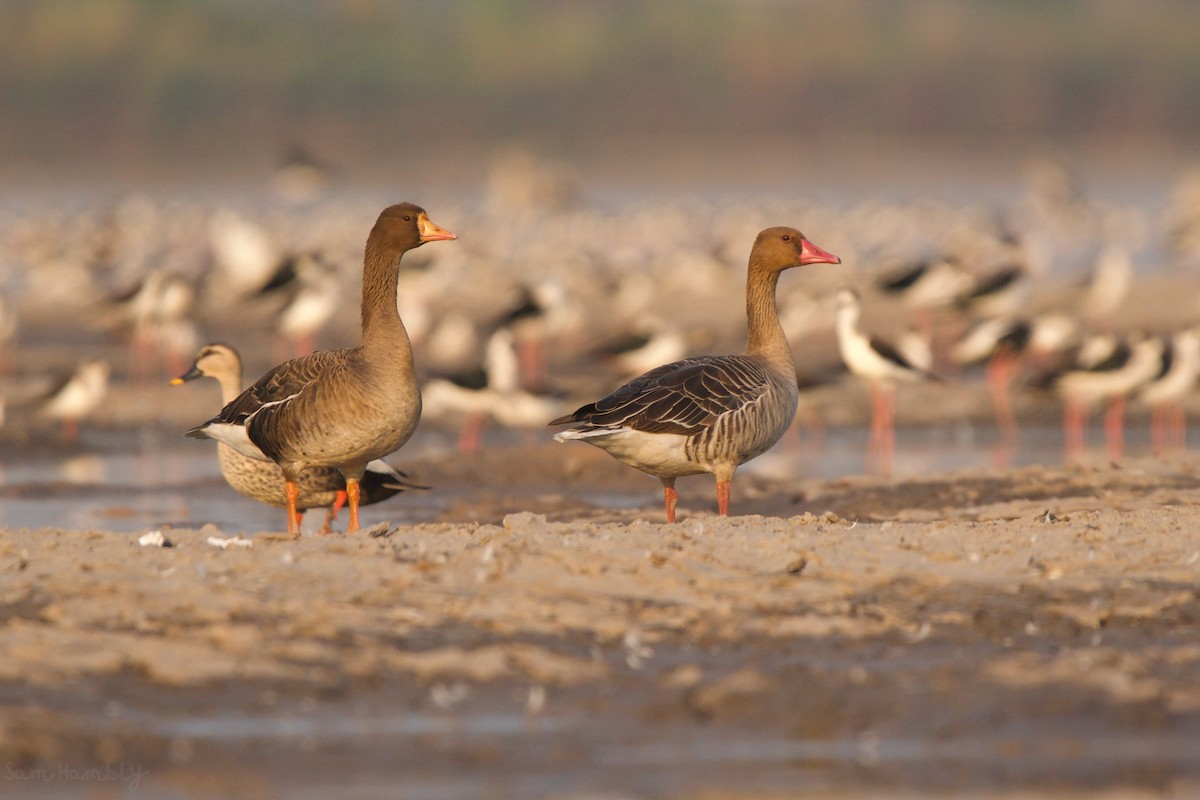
x=1018, y=632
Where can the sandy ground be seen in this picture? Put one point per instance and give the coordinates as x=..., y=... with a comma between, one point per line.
x=1026, y=632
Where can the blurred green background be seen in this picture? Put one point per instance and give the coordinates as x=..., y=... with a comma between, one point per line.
x=170, y=85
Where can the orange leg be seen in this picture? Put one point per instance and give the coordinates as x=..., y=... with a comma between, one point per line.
x=925, y=323
x=139, y=357
x=883, y=428
x=1168, y=428
x=532, y=361
x=671, y=498
x=304, y=345
x=1074, y=428
x=339, y=502
x=889, y=431
x=1178, y=426
x=816, y=429
x=1000, y=372
x=1114, y=428
x=352, y=497
x=471, y=435
x=282, y=349
x=723, y=498
x=875, y=441
x=292, y=493
x=1158, y=429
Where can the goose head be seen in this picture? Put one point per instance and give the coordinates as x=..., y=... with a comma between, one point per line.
x=403, y=227
x=777, y=249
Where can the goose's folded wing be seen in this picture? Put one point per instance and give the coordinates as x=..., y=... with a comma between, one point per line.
x=684, y=397
x=274, y=389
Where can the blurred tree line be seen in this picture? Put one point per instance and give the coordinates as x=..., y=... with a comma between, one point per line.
x=127, y=77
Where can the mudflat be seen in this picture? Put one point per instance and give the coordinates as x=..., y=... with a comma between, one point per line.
x=1015, y=632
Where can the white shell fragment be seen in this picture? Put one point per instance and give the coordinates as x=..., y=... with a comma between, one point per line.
x=217, y=541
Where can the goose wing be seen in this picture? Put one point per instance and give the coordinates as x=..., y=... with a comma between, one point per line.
x=269, y=396
x=683, y=397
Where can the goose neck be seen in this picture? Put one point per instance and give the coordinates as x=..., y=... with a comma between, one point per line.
x=765, y=336
x=381, y=325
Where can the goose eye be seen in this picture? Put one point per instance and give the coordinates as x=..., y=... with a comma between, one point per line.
x=787, y=237
x=408, y=218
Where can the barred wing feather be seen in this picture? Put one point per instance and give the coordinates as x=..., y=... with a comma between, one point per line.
x=684, y=397
x=261, y=403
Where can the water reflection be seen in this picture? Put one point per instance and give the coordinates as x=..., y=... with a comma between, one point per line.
x=145, y=479
x=89, y=468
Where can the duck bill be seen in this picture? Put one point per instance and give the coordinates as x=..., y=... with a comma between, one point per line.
x=190, y=375
x=432, y=233
x=811, y=254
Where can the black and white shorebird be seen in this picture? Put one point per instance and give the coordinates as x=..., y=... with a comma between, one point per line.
x=1006, y=289
x=1108, y=287
x=636, y=351
x=157, y=312
x=1130, y=362
x=1179, y=370
x=494, y=391
x=539, y=315
x=245, y=255
x=301, y=176
x=75, y=397
x=312, y=292
x=931, y=291
x=882, y=366
x=1005, y=345
x=927, y=288
x=926, y=285
x=9, y=323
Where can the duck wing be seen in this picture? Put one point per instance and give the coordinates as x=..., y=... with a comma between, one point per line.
x=383, y=474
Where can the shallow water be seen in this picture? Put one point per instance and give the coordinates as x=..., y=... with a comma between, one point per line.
x=137, y=480
x=628, y=741
x=777, y=764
